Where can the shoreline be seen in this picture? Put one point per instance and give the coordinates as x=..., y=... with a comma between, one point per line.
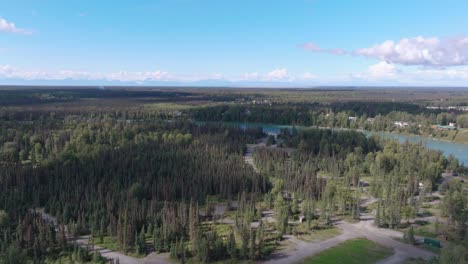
x=258, y=124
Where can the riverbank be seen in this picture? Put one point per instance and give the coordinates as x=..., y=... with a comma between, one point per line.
x=458, y=136
x=459, y=150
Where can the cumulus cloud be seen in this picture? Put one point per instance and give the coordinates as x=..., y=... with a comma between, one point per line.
x=278, y=74
x=382, y=69
x=10, y=27
x=9, y=72
x=385, y=73
x=308, y=76
x=310, y=46
x=421, y=51
x=443, y=74
x=251, y=76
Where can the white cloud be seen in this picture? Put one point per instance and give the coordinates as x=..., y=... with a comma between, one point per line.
x=275, y=75
x=251, y=76
x=308, y=76
x=310, y=46
x=443, y=74
x=10, y=27
x=278, y=74
x=421, y=51
x=388, y=73
x=382, y=70
x=9, y=72
x=381, y=73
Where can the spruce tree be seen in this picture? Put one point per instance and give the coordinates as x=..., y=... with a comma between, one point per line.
x=231, y=247
x=253, y=246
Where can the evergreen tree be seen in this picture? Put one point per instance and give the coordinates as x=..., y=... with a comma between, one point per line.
x=261, y=240
x=231, y=247
x=253, y=246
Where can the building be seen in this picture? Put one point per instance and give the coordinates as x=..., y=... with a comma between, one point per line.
x=401, y=124
x=450, y=126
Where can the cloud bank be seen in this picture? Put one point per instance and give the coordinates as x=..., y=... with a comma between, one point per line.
x=421, y=51
x=9, y=72
x=278, y=74
x=381, y=73
x=386, y=72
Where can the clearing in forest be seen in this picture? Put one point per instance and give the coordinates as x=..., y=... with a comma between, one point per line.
x=358, y=251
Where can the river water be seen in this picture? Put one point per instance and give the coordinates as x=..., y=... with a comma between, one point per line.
x=459, y=150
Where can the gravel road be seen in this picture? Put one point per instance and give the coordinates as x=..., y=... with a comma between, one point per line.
x=384, y=237
x=83, y=242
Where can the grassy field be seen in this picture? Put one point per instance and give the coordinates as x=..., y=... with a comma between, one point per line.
x=460, y=135
x=358, y=251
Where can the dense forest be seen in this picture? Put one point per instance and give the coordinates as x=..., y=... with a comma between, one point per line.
x=115, y=179
x=144, y=177
x=365, y=115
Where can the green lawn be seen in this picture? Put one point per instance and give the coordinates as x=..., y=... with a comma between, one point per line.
x=355, y=251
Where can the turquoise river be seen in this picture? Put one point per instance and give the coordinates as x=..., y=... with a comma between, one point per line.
x=459, y=150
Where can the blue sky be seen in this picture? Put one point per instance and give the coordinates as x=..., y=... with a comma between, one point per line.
x=264, y=43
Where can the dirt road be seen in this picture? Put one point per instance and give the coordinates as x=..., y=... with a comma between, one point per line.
x=303, y=250
x=384, y=237
x=248, y=158
x=83, y=242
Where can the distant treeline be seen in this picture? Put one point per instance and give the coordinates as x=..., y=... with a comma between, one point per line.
x=299, y=113
x=31, y=96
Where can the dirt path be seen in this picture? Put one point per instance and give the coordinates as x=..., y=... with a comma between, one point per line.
x=83, y=242
x=248, y=158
